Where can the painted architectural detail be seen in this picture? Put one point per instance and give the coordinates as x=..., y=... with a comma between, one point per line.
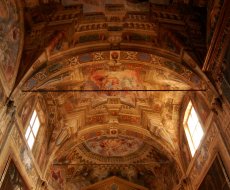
x=110, y=81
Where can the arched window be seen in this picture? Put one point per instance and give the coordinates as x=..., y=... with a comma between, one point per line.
x=32, y=129
x=193, y=128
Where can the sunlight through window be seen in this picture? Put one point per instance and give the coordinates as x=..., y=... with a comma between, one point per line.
x=32, y=129
x=193, y=128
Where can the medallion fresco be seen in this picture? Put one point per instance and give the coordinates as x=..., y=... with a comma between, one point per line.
x=9, y=38
x=110, y=147
x=95, y=147
x=114, y=80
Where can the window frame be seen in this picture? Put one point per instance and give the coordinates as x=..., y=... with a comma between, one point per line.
x=194, y=134
x=32, y=129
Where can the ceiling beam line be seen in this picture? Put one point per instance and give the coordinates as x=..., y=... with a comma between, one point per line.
x=111, y=164
x=128, y=90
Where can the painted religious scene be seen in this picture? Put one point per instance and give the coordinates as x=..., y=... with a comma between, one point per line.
x=114, y=147
x=111, y=123
x=114, y=94
x=118, y=84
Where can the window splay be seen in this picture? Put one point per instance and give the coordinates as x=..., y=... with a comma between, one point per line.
x=193, y=129
x=32, y=129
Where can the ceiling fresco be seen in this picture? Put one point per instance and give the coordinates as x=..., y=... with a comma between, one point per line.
x=114, y=80
x=138, y=66
x=105, y=120
x=114, y=25
x=118, y=146
x=83, y=167
x=111, y=134
x=101, y=71
x=84, y=176
x=113, y=76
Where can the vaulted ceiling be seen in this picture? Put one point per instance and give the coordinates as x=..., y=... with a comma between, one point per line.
x=113, y=75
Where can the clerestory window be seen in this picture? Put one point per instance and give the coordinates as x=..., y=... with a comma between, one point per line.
x=193, y=129
x=32, y=129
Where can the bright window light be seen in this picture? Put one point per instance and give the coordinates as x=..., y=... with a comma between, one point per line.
x=193, y=128
x=32, y=129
